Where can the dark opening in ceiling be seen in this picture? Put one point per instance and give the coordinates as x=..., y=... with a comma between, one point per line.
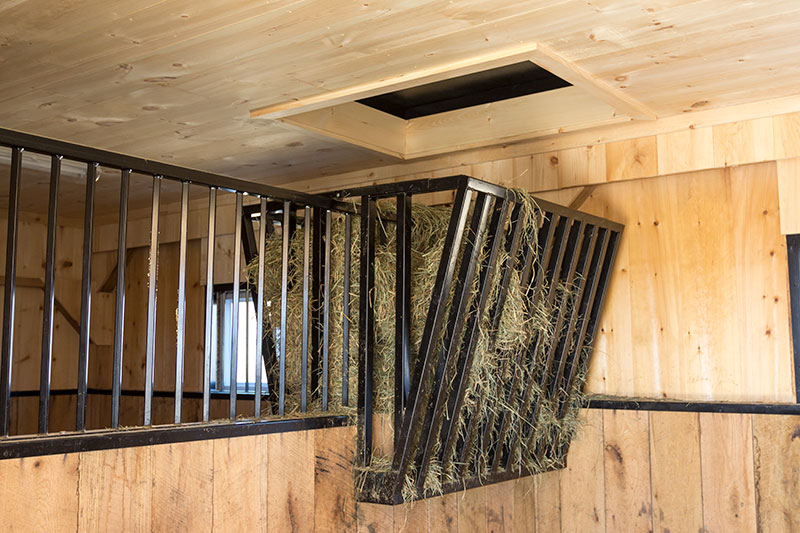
x=501, y=83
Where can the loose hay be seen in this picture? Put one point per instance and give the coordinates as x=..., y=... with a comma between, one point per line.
x=496, y=359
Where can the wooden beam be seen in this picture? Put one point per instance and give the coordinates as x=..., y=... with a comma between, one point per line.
x=507, y=121
x=356, y=124
x=577, y=76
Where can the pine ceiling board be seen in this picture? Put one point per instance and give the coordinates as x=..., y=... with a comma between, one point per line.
x=147, y=69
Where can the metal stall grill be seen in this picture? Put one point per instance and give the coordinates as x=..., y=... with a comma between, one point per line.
x=448, y=435
x=266, y=407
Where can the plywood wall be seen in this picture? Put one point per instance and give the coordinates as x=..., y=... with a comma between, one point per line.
x=628, y=471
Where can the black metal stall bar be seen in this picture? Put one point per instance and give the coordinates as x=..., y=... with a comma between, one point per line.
x=61, y=154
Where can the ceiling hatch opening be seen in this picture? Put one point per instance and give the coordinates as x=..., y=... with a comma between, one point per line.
x=523, y=92
x=493, y=85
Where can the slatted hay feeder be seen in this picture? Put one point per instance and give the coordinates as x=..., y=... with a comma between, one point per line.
x=474, y=326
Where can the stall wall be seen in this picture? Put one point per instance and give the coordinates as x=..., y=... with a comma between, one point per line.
x=629, y=471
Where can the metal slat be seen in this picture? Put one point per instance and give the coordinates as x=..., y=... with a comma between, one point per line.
x=458, y=309
x=326, y=310
x=209, y=335
x=119, y=306
x=48, y=307
x=306, y=268
x=441, y=289
x=86, y=297
x=287, y=207
x=10, y=289
x=346, y=311
x=152, y=277
x=233, y=368
x=366, y=329
x=261, y=245
x=402, y=349
x=316, y=300
x=180, y=341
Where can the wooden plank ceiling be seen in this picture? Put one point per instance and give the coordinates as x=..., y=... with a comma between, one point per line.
x=175, y=80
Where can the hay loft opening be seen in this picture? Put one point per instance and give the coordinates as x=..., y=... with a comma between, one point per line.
x=511, y=95
x=493, y=85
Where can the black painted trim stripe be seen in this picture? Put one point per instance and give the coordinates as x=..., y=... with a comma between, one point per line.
x=696, y=407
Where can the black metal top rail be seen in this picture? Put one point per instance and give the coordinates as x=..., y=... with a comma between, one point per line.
x=106, y=158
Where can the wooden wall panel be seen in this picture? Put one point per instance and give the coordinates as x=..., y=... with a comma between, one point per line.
x=183, y=478
x=334, y=489
x=472, y=510
x=685, y=151
x=700, y=284
x=443, y=513
x=290, y=486
x=240, y=484
x=627, y=471
x=776, y=449
x=787, y=135
x=709, y=473
x=373, y=518
x=726, y=445
x=411, y=517
x=39, y=493
x=630, y=159
x=547, y=514
x=500, y=507
x=116, y=490
x=583, y=480
x=675, y=455
x=737, y=143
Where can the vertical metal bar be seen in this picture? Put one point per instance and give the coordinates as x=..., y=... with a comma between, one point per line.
x=402, y=334
x=316, y=300
x=793, y=253
x=348, y=226
x=10, y=289
x=49, y=295
x=86, y=297
x=366, y=328
x=119, y=316
x=262, y=236
x=233, y=381
x=150, y=354
x=306, y=266
x=180, y=341
x=209, y=335
x=452, y=338
x=247, y=340
x=326, y=313
x=441, y=289
x=287, y=207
